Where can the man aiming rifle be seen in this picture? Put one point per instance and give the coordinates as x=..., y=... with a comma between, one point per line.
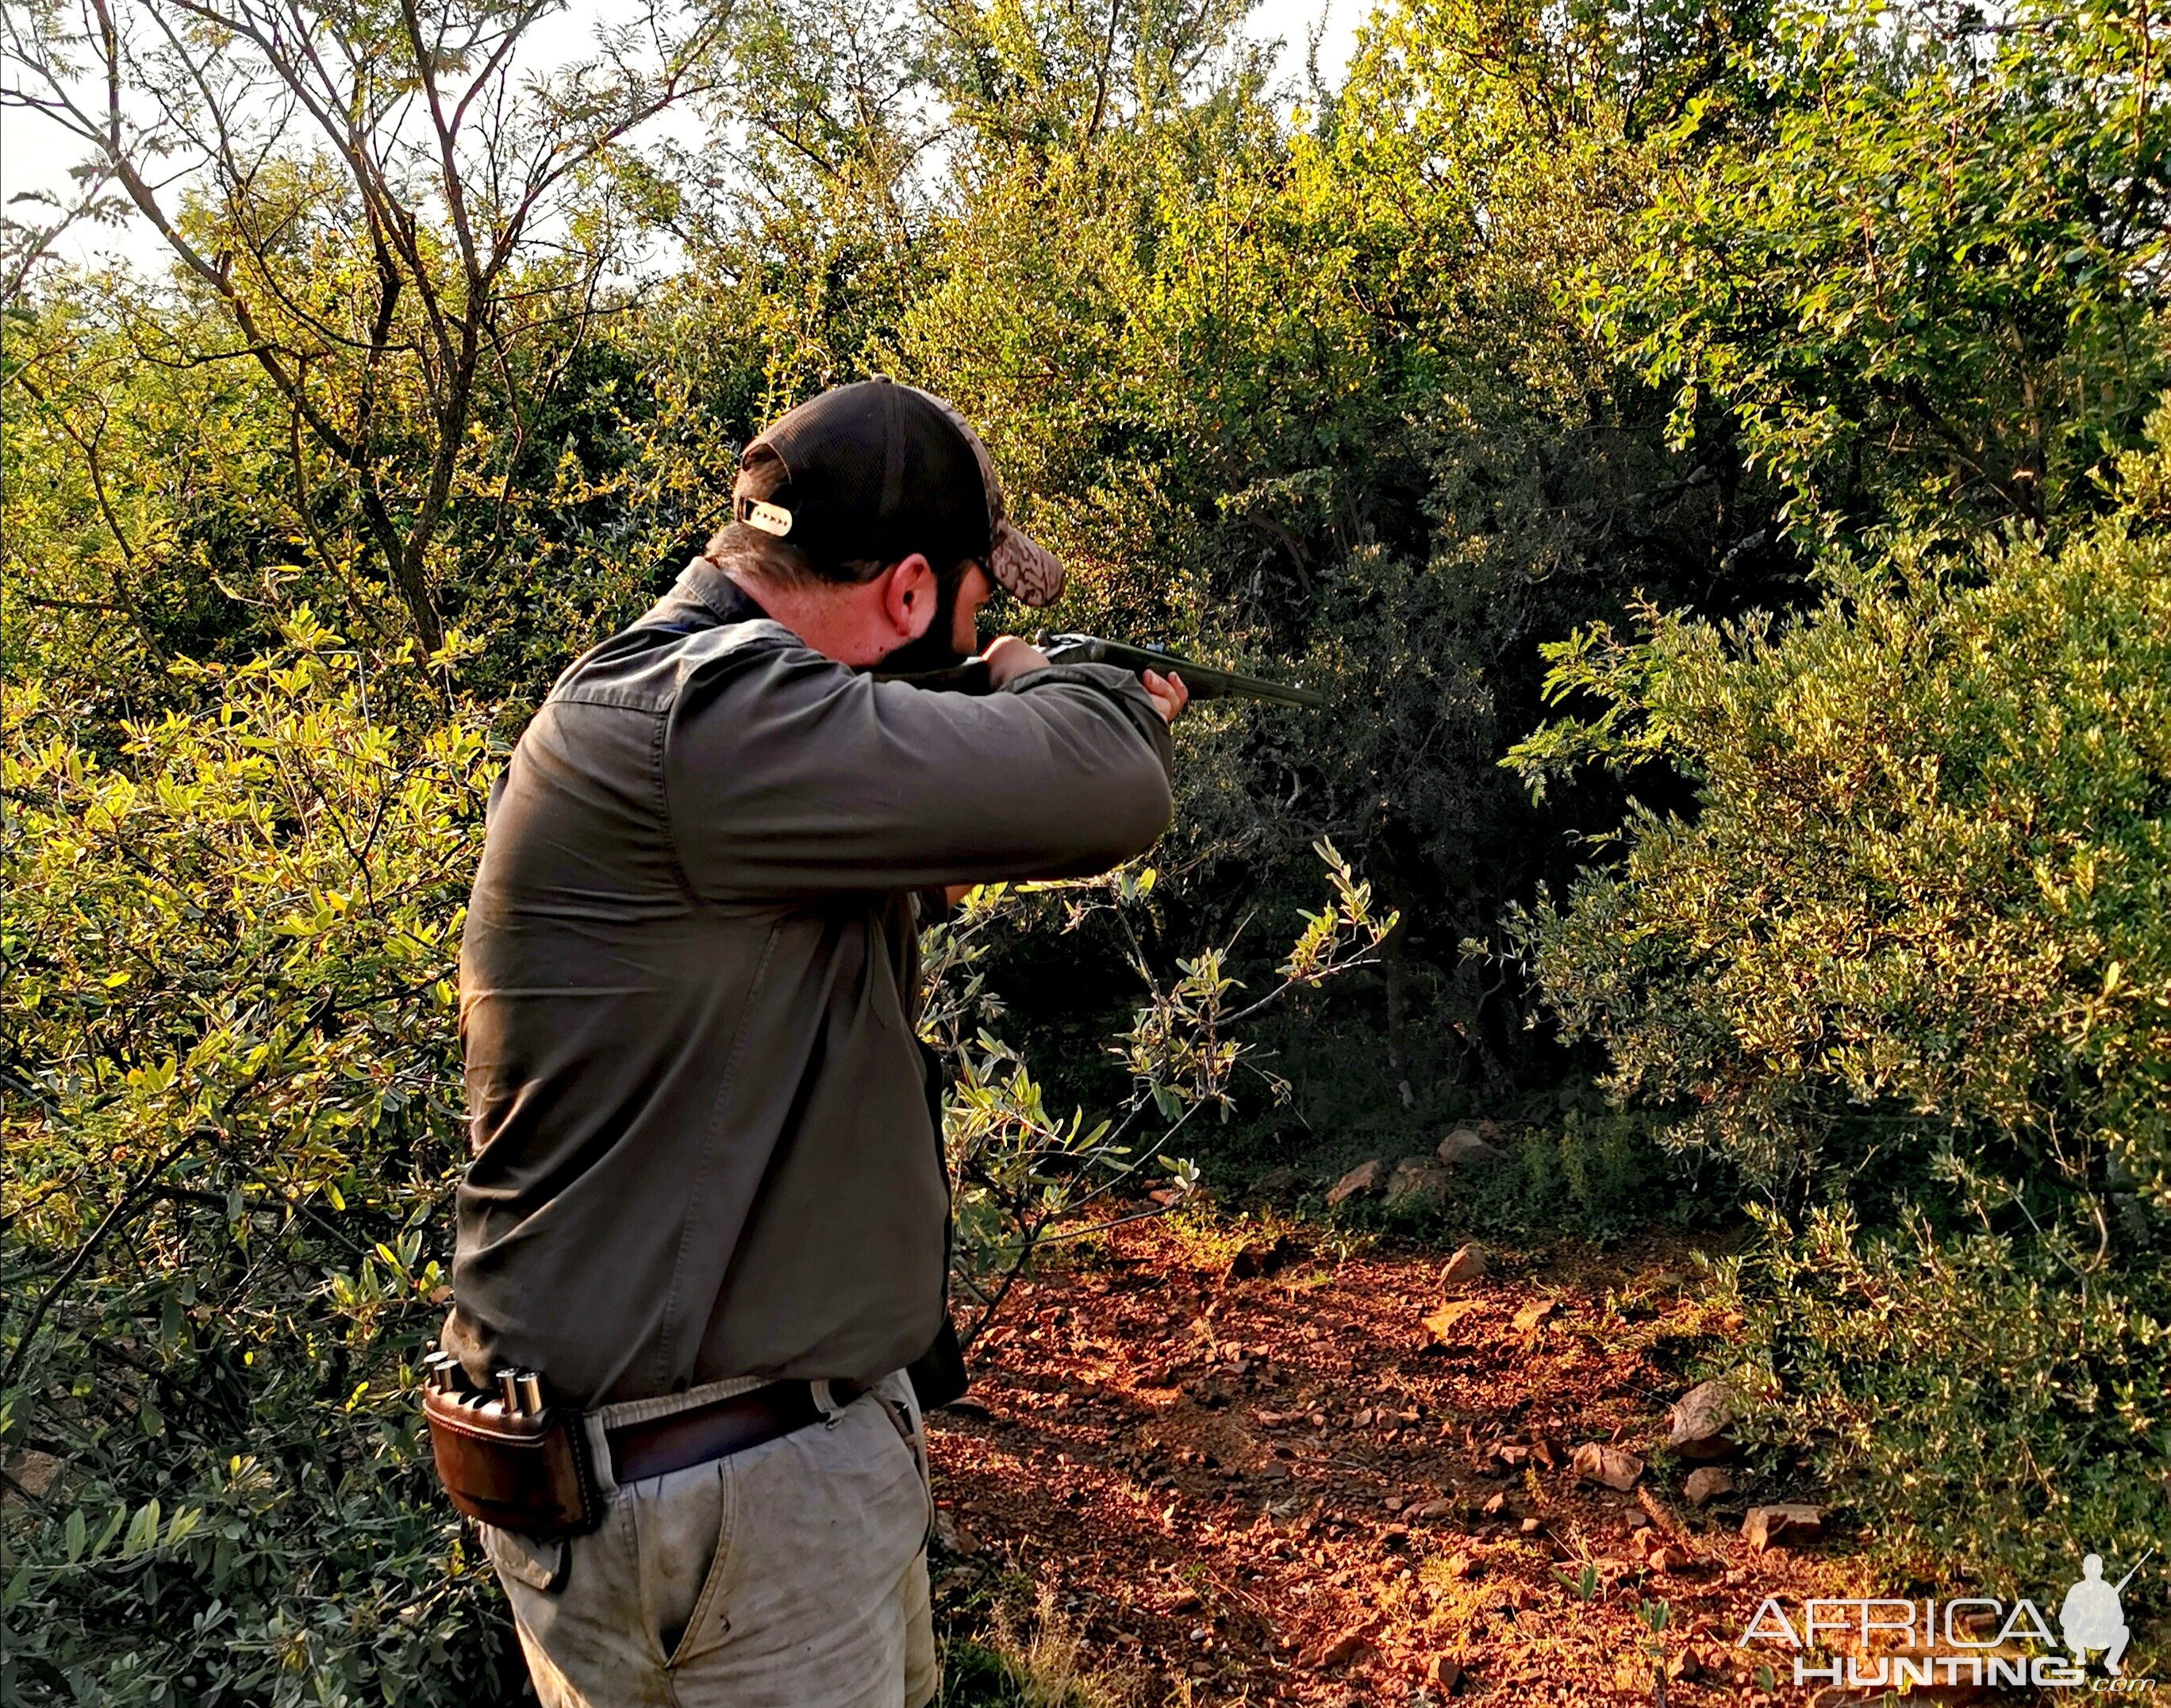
x=703, y=1237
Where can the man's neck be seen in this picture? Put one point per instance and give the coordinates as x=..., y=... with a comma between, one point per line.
x=829, y=620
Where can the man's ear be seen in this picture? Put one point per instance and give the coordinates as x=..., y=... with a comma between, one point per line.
x=910, y=596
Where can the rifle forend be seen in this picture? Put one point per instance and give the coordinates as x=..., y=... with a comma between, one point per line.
x=1204, y=680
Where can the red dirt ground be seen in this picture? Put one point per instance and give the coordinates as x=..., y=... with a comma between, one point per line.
x=1285, y=1488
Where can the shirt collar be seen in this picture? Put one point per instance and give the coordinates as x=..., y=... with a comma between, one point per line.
x=724, y=597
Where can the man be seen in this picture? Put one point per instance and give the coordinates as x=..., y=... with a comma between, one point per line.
x=2092, y=1618
x=708, y=1203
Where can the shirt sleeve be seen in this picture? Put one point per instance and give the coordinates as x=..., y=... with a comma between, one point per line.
x=786, y=773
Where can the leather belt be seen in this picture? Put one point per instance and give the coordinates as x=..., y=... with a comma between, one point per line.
x=639, y=1451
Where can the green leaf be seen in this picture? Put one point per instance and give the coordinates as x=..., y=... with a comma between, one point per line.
x=112, y=1528
x=75, y=1533
x=143, y=1530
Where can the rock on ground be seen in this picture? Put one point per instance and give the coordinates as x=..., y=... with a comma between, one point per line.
x=1701, y=1417
x=33, y=1472
x=1418, y=1180
x=1600, y=1464
x=1468, y=1264
x=1340, y=1650
x=1768, y=1527
x=1440, y=1323
x=1464, y=1145
x=1365, y=1177
x=1706, y=1484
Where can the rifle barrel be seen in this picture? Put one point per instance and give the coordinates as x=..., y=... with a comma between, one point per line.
x=1205, y=682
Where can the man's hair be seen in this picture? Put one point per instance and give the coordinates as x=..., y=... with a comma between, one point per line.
x=738, y=545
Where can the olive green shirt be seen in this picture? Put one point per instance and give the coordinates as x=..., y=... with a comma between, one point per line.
x=687, y=984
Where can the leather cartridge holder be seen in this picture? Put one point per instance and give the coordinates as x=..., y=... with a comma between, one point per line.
x=507, y=1460
x=513, y=1462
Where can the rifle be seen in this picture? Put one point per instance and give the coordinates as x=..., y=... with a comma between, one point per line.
x=1205, y=681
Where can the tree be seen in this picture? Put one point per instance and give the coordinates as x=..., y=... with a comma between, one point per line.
x=1058, y=77
x=1917, y=259
x=1326, y=398
x=133, y=492
x=26, y=242
x=384, y=213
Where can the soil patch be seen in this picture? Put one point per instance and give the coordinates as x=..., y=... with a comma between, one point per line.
x=1248, y=1469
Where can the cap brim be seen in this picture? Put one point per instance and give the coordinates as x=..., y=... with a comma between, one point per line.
x=1025, y=569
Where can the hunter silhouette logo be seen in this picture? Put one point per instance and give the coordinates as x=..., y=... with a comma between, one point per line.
x=2091, y=1619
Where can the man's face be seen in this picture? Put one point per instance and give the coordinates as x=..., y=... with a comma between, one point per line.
x=952, y=632
x=973, y=591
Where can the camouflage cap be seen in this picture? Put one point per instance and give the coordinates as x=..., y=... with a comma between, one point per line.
x=878, y=470
x=1025, y=569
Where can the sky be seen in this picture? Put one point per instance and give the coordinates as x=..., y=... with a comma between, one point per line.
x=35, y=155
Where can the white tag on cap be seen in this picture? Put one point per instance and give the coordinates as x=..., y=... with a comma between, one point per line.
x=770, y=518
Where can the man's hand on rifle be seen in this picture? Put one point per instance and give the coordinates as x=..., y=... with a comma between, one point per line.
x=1008, y=658
x=1167, y=693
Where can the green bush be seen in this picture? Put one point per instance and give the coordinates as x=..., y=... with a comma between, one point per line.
x=1596, y=1174
x=1994, y=1409
x=1910, y=963
x=233, y=1119
x=1922, y=904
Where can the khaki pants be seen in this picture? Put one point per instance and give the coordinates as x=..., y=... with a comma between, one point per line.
x=792, y=1574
